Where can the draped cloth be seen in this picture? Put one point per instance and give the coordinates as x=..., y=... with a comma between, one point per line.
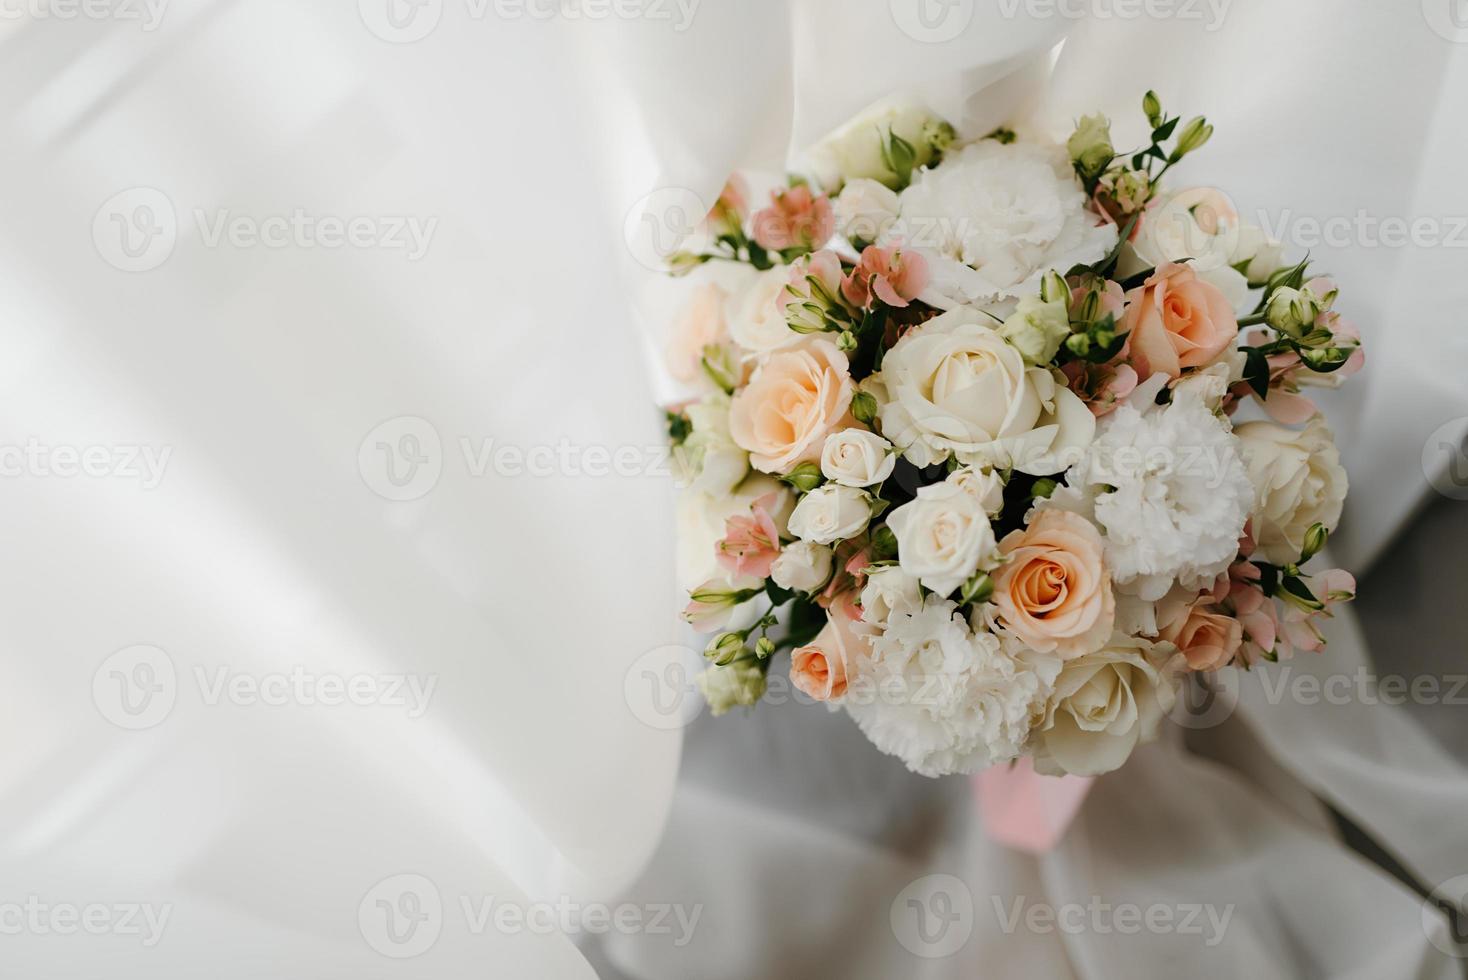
x=294, y=387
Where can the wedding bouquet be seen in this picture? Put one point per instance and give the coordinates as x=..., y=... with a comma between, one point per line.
x=972, y=447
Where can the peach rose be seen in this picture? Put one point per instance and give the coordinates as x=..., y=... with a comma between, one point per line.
x=819, y=670
x=1207, y=636
x=1052, y=591
x=797, y=398
x=700, y=324
x=1175, y=320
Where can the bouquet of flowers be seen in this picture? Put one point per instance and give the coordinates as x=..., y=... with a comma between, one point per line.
x=972, y=451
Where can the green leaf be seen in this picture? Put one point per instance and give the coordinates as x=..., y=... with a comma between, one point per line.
x=1256, y=371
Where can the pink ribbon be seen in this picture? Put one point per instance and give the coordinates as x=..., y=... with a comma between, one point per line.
x=1025, y=810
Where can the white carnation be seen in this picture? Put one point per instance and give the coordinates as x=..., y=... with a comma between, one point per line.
x=1179, y=494
x=940, y=697
x=992, y=219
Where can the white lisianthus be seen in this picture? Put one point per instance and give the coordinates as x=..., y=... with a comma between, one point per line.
x=710, y=460
x=857, y=458
x=889, y=590
x=954, y=387
x=993, y=218
x=943, y=536
x=986, y=486
x=940, y=697
x=740, y=684
x=1298, y=481
x=1260, y=255
x=1104, y=705
x=865, y=210
x=1167, y=485
x=757, y=315
x=854, y=152
x=831, y=513
x=803, y=566
x=1037, y=329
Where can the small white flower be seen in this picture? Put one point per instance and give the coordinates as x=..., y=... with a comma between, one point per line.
x=757, y=315
x=1298, y=481
x=857, y=458
x=803, y=566
x=985, y=485
x=889, y=590
x=865, y=210
x=943, y=536
x=941, y=697
x=831, y=513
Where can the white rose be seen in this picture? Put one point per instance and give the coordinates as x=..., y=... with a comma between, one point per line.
x=857, y=458
x=1103, y=706
x=709, y=458
x=757, y=315
x=1298, y=481
x=992, y=219
x=943, y=536
x=954, y=387
x=1200, y=224
x=831, y=513
x=986, y=486
x=803, y=566
x=854, y=151
x=865, y=210
x=1264, y=255
x=889, y=590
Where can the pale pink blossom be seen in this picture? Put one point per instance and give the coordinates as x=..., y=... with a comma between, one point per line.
x=892, y=275
x=796, y=218
x=751, y=542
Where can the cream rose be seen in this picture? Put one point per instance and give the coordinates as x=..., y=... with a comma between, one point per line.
x=854, y=152
x=794, y=400
x=986, y=486
x=943, y=536
x=831, y=513
x=818, y=670
x=857, y=458
x=1298, y=481
x=757, y=315
x=1197, y=223
x=1104, y=705
x=889, y=591
x=1053, y=591
x=954, y=387
x=803, y=566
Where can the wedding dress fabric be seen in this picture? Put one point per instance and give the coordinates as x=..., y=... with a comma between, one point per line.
x=291, y=387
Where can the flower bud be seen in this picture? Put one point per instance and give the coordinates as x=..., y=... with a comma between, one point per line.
x=764, y=648
x=723, y=648
x=883, y=543
x=939, y=134
x=1315, y=539
x=721, y=366
x=864, y=407
x=1292, y=311
x=980, y=588
x=846, y=342
x=1152, y=106
x=1131, y=189
x=1037, y=328
x=1090, y=146
x=682, y=263
x=805, y=477
x=1194, y=135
